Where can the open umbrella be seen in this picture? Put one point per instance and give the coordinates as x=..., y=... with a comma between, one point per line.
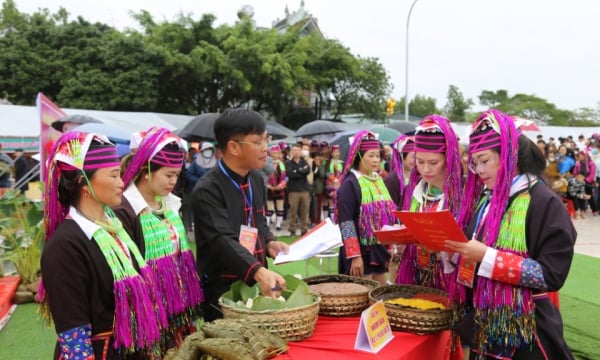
x=277, y=131
x=343, y=140
x=525, y=124
x=403, y=126
x=200, y=128
x=74, y=119
x=386, y=134
x=113, y=133
x=317, y=127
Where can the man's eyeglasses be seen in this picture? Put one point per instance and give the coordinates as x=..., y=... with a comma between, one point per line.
x=259, y=144
x=480, y=166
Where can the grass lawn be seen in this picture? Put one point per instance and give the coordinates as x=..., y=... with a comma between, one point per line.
x=26, y=338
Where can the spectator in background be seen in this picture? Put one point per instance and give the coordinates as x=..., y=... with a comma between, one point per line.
x=298, y=190
x=325, y=151
x=21, y=169
x=5, y=163
x=203, y=161
x=541, y=144
x=578, y=195
x=333, y=172
x=555, y=179
x=276, y=185
x=318, y=171
x=581, y=143
x=565, y=161
x=587, y=167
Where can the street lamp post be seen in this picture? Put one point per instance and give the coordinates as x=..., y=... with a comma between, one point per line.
x=406, y=70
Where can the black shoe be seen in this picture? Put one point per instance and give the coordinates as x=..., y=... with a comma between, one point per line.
x=278, y=228
x=292, y=233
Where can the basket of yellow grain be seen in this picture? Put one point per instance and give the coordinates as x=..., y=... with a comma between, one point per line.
x=341, y=295
x=415, y=309
x=292, y=317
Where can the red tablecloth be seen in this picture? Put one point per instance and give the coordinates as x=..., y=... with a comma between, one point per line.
x=334, y=339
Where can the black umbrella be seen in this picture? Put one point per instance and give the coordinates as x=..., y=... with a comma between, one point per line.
x=276, y=131
x=200, y=128
x=343, y=140
x=317, y=127
x=403, y=126
x=74, y=119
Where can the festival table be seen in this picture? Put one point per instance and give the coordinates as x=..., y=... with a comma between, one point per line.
x=334, y=339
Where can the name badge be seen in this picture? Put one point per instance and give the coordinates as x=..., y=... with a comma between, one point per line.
x=248, y=236
x=466, y=272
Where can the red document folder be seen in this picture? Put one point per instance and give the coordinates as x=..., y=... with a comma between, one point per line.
x=431, y=229
x=395, y=236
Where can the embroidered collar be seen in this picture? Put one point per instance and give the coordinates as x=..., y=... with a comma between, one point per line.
x=138, y=203
x=358, y=175
x=419, y=195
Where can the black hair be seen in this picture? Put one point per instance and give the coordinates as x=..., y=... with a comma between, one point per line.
x=237, y=122
x=531, y=159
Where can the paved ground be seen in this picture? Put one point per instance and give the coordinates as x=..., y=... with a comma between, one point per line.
x=588, y=235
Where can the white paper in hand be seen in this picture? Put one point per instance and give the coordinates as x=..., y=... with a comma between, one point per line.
x=323, y=237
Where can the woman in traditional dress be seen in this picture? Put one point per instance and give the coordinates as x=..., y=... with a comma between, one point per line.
x=149, y=212
x=364, y=206
x=521, y=247
x=333, y=172
x=403, y=162
x=276, y=189
x=96, y=285
x=435, y=184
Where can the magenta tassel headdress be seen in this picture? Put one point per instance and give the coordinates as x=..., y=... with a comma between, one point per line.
x=402, y=145
x=152, y=150
x=435, y=134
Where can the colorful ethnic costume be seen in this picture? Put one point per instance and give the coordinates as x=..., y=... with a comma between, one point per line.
x=161, y=234
x=530, y=240
x=364, y=206
x=419, y=266
x=96, y=285
x=276, y=197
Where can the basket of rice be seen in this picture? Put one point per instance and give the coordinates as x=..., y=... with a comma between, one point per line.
x=341, y=295
x=415, y=309
x=292, y=317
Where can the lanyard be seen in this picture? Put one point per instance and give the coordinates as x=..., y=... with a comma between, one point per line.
x=246, y=200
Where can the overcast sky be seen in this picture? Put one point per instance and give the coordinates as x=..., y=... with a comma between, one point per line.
x=547, y=48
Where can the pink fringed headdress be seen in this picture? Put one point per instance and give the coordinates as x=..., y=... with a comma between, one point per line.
x=364, y=140
x=492, y=129
x=152, y=150
x=402, y=145
x=435, y=134
x=72, y=152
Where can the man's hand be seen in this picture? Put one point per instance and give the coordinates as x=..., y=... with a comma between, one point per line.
x=275, y=247
x=473, y=250
x=271, y=283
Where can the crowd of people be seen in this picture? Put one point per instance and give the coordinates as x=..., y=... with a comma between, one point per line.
x=120, y=279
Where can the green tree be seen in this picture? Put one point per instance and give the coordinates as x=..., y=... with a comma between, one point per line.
x=492, y=99
x=422, y=105
x=457, y=106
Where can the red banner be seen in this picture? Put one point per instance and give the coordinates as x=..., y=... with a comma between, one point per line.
x=49, y=113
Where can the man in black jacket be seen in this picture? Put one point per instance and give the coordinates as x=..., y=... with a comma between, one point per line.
x=229, y=213
x=298, y=190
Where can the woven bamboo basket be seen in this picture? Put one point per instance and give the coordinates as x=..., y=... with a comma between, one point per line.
x=343, y=304
x=291, y=324
x=408, y=319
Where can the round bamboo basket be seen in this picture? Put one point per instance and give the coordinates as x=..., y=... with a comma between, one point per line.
x=291, y=324
x=339, y=305
x=408, y=319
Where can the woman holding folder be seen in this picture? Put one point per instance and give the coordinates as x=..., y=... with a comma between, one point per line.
x=435, y=184
x=521, y=247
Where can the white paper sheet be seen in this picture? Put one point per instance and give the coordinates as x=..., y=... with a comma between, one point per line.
x=323, y=237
